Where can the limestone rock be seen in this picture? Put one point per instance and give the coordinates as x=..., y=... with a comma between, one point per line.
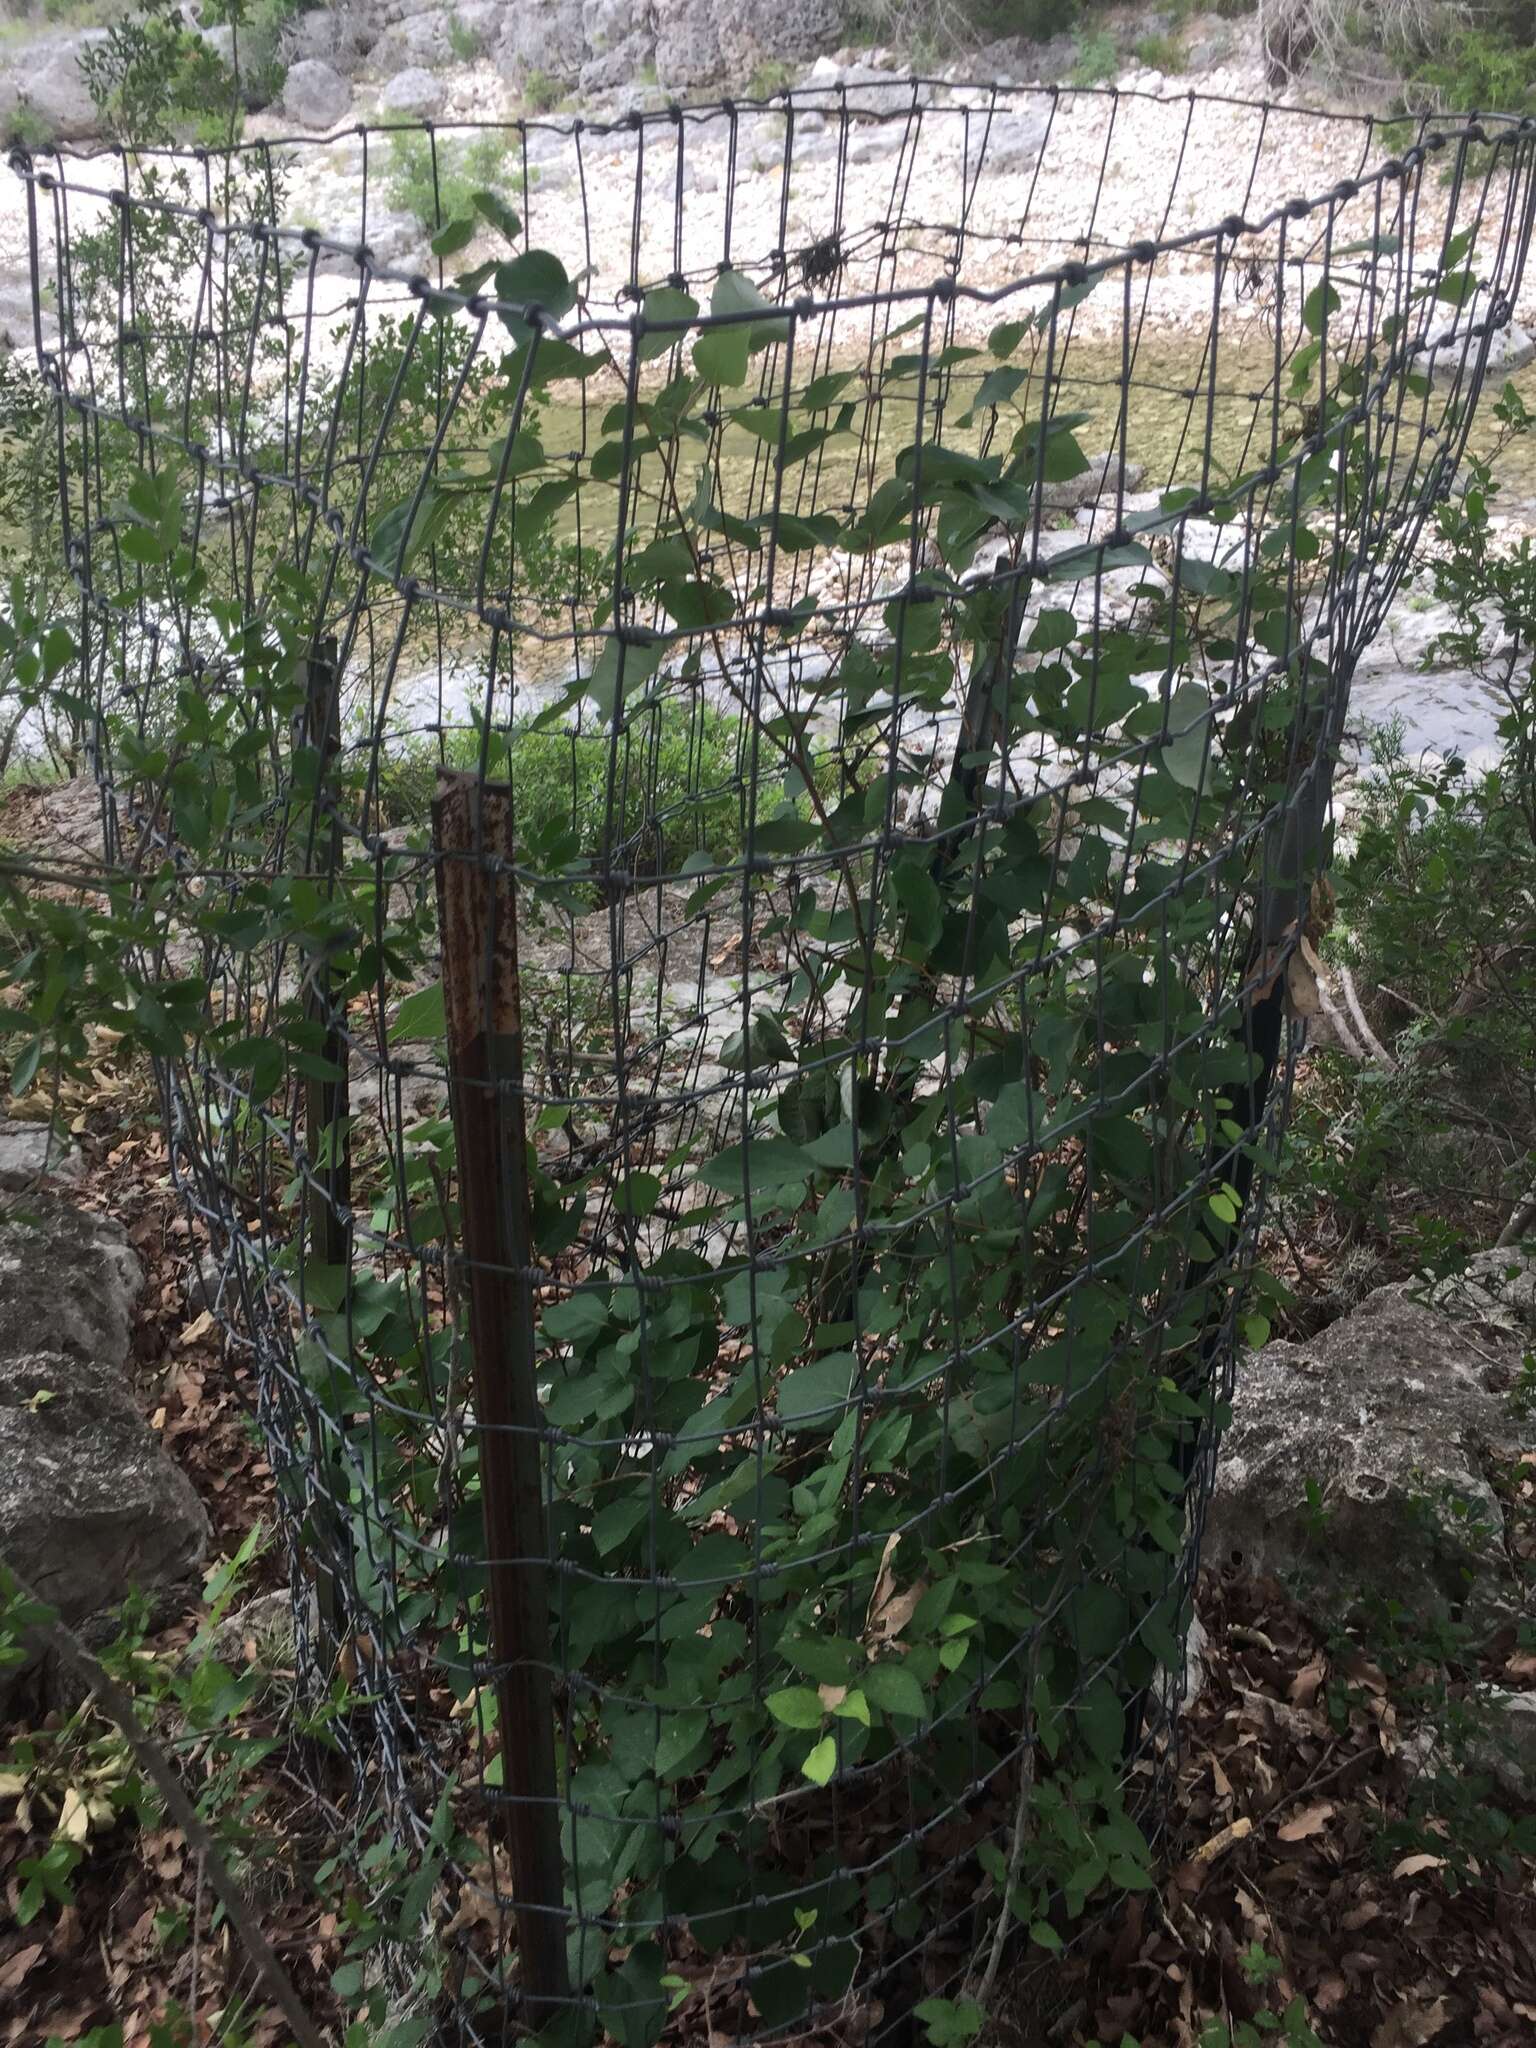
x=393, y=239
x=91, y=1508
x=29, y=1152
x=1097, y=481
x=1014, y=142
x=16, y=330
x=1454, y=346
x=1388, y=1416
x=68, y=1281
x=314, y=95
x=411, y=45
x=54, y=88
x=412, y=95
x=1509, y=1747
x=688, y=47
x=544, y=36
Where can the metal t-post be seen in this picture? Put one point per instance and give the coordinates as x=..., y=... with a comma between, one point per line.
x=477, y=919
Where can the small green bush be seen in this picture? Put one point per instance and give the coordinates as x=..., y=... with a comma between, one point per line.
x=769, y=78
x=1161, y=52
x=433, y=178
x=542, y=92
x=464, y=39
x=27, y=129
x=677, y=789
x=1490, y=70
x=1098, y=58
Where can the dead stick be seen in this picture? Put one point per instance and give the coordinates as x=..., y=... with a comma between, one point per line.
x=52, y=1635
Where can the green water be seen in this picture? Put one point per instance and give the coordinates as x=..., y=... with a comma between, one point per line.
x=1166, y=419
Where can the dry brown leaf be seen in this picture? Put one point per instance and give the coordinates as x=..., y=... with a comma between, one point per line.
x=1411, y=2024
x=74, y=1822
x=1412, y=1865
x=12, y=1972
x=885, y=1578
x=1301, y=978
x=1310, y=1821
x=1238, y=1831
x=893, y=1617
x=194, y=1333
x=1308, y=1682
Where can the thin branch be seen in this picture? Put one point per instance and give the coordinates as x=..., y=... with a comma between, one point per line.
x=52, y=1635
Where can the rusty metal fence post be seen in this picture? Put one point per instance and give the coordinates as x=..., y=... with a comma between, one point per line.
x=477, y=924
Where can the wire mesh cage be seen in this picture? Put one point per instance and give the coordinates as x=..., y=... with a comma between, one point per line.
x=726, y=800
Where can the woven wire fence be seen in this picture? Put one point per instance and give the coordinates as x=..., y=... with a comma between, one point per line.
x=731, y=767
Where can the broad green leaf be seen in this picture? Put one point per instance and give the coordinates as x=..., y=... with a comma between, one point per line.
x=393, y=545
x=822, y=1761
x=797, y=1706
x=1319, y=304
x=421, y=1015
x=817, y=1394
x=665, y=303
x=534, y=279
x=492, y=207
x=763, y=1163
x=140, y=545
x=721, y=354
x=735, y=292
x=449, y=240
x=1184, y=757
x=680, y=1735
x=623, y=667
x=890, y=1686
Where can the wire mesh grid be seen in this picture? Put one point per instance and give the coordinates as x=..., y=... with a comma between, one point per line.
x=731, y=795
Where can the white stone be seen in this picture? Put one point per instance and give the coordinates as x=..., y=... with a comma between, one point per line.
x=314, y=95
x=412, y=94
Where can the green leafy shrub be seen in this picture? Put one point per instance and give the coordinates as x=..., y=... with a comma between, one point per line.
x=153, y=80
x=542, y=91
x=1161, y=52
x=433, y=178
x=464, y=39
x=770, y=77
x=684, y=794
x=1098, y=58
x=1435, y=923
x=26, y=128
x=1486, y=66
